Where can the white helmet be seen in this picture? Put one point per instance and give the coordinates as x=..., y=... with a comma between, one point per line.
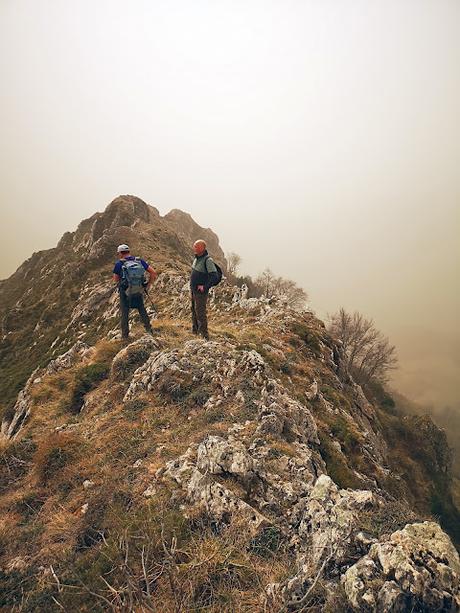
x=121, y=248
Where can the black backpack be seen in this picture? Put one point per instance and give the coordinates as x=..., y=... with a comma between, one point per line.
x=220, y=274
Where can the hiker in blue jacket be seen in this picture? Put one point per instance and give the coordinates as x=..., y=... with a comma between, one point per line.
x=129, y=274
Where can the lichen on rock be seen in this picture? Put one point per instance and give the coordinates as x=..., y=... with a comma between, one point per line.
x=417, y=568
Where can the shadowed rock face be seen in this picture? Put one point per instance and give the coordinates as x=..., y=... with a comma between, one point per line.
x=185, y=225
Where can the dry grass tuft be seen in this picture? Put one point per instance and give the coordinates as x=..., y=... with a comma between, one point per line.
x=106, y=350
x=54, y=453
x=154, y=558
x=52, y=388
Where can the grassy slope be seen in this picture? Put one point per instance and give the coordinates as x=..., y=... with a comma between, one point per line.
x=41, y=503
x=197, y=567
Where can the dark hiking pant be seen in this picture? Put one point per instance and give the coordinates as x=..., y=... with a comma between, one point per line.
x=199, y=314
x=135, y=302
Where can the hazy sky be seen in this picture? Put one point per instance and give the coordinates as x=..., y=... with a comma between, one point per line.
x=318, y=137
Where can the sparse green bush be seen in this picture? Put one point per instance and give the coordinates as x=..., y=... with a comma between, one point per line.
x=286, y=367
x=174, y=386
x=308, y=336
x=215, y=414
x=335, y=397
x=377, y=394
x=7, y=413
x=444, y=509
x=174, y=389
x=135, y=406
x=86, y=379
x=182, y=390
x=343, y=431
x=13, y=585
x=123, y=369
x=267, y=542
x=337, y=468
x=420, y=454
x=200, y=395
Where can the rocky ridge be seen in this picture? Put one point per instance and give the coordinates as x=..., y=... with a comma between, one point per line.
x=55, y=297
x=261, y=427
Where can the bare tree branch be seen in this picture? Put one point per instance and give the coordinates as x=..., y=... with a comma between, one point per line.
x=369, y=353
x=233, y=262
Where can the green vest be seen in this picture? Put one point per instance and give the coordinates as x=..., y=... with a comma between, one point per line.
x=204, y=264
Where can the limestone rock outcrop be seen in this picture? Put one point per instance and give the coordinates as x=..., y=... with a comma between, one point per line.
x=417, y=568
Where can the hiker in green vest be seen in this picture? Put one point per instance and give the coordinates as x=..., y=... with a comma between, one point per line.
x=205, y=274
x=129, y=274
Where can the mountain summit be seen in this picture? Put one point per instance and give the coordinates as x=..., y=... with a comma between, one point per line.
x=55, y=297
x=247, y=473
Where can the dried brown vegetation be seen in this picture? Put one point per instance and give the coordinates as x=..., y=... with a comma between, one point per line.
x=87, y=523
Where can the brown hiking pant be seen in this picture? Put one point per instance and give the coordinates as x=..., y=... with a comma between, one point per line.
x=199, y=314
x=136, y=302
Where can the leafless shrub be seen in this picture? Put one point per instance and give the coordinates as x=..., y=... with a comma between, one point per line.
x=233, y=263
x=269, y=284
x=370, y=356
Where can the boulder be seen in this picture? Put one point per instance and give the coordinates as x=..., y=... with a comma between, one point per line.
x=416, y=569
x=74, y=355
x=218, y=456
